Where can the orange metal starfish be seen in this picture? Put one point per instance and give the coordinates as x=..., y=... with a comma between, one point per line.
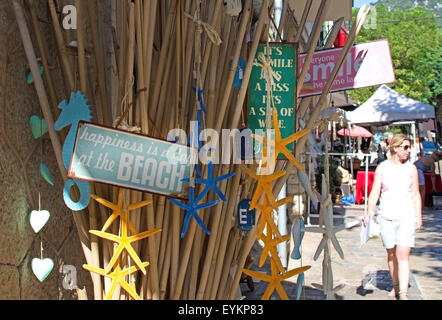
x=264, y=185
x=275, y=279
x=266, y=216
x=117, y=277
x=270, y=248
x=281, y=144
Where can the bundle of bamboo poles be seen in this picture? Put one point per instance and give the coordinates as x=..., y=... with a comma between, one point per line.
x=136, y=62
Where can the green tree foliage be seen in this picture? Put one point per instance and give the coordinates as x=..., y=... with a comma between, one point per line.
x=415, y=44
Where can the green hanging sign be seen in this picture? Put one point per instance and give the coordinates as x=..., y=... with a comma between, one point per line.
x=283, y=60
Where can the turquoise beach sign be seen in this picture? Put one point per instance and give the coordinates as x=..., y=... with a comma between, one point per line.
x=130, y=160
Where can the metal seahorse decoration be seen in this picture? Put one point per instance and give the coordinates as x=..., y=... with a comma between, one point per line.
x=72, y=113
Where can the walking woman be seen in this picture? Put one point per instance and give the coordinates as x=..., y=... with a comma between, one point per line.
x=400, y=210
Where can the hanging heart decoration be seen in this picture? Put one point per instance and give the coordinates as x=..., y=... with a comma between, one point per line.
x=38, y=126
x=42, y=268
x=38, y=219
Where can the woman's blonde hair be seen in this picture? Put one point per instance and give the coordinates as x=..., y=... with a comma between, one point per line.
x=397, y=140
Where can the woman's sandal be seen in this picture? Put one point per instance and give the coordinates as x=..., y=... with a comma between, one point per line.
x=403, y=295
x=394, y=292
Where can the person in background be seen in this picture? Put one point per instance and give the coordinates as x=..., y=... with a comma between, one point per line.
x=382, y=150
x=399, y=212
x=419, y=147
x=425, y=164
x=413, y=151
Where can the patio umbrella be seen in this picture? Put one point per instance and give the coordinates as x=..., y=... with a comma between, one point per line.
x=355, y=131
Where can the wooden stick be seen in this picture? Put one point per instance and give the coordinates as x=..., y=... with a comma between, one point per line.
x=44, y=54
x=223, y=288
x=162, y=59
x=316, y=31
x=122, y=54
x=61, y=46
x=166, y=265
x=301, y=25
x=242, y=30
x=149, y=7
x=80, y=48
x=208, y=263
x=141, y=83
x=103, y=109
x=248, y=71
x=229, y=215
x=175, y=265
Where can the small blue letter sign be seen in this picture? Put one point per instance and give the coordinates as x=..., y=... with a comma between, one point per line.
x=246, y=217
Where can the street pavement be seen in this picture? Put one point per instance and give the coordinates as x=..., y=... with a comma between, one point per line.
x=363, y=272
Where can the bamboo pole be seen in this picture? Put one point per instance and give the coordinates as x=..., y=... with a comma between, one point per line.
x=227, y=226
x=311, y=45
x=93, y=221
x=242, y=30
x=103, y=109
x=122, y=54
x=44, y=54
x=61, y=46
x=141, y=83
x=80, y=48
x=301, y=25
x=148, y=35
x=161, y=64
x=209, y=262
x=247, y=72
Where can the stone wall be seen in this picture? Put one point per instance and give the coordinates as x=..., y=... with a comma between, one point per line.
x=21, y=182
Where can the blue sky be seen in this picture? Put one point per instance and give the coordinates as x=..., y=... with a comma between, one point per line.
x=359, y=3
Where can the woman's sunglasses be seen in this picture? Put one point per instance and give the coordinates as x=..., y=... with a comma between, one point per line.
x=405, y=147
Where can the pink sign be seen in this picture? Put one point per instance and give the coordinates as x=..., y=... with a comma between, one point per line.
x=367, y=64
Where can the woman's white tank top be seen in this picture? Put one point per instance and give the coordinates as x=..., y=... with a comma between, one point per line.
x=396, y=197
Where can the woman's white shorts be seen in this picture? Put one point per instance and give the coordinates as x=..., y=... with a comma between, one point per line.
x=397, y=232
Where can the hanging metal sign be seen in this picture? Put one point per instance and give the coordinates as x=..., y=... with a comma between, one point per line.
x=283, y=64
x=130, y=160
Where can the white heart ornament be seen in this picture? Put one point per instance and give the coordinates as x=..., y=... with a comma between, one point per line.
x=42, y=268
x=38, y=219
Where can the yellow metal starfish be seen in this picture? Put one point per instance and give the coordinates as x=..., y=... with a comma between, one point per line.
x=275, y=279
x=266, y=216
x=264, y=185
x=281, y=144
x=270, y=248
x=124, y=242
x=118, y=209
x=117, y=277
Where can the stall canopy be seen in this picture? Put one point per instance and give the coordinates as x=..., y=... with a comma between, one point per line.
x=355, y=131
x=386, y=106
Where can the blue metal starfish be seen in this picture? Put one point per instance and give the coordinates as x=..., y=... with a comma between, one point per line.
x=192, y=209
x=200, y=98
x=210, y=183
